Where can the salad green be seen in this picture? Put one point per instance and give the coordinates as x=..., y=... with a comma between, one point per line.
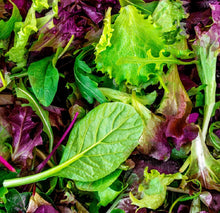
x=109, y=106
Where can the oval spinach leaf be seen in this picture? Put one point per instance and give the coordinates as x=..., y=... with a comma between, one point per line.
x=101, y=141
x=44, y=79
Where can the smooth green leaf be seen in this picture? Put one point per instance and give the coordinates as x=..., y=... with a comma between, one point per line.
x=104, y=139
x=152, y=191
x=100, y=184
x=7, y=27
x=108, y=195
x=44, y=77
x=17, y=202
x=22, y=92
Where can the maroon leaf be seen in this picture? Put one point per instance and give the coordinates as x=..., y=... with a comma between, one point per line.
x=26, y=133
x=46, y=209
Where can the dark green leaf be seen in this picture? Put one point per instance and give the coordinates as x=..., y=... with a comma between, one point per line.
x=146, y=8
x=88, y=88
x=214, y=138
x=3, y=192
x=17, y=202
x=44, y=79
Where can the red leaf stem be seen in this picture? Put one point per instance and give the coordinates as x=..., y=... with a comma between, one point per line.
x=41, y=165
x=6, y=164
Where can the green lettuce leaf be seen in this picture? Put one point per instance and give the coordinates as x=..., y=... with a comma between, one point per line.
x=7, y=27
x=203, y=166
x=40, y=5
x=152, y=191
x=132, y=30
x=168, y=15
x=22, y=30
x=101, y=184
x=134, y=48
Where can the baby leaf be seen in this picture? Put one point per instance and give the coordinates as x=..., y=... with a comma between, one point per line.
x=103, y=139
x=44, y=79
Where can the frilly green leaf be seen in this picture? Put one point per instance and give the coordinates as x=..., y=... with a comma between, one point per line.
x=152, y=191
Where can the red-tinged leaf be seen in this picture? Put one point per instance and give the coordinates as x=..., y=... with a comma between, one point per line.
x=176, y=127
x=46, y=209
x=23, y=127
x=176, y=107
x=35, y=202
x=55, y=116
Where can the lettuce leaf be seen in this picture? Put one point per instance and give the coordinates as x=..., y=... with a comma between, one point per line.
x=207, y=48
x=152, y=190
x=22, y=126
x=149, y=43
x=203, y=166
x=173, y=127
x=22, y=30
x=129, y=30
x=40, y=5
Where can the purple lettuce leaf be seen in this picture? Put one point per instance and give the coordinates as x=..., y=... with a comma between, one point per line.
x=23, y=6
x=211, y=200
x=74, y=18
x=46, y=209
x=55, y=116
x=183, y=208
x=176, y=106
x=26, y=133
